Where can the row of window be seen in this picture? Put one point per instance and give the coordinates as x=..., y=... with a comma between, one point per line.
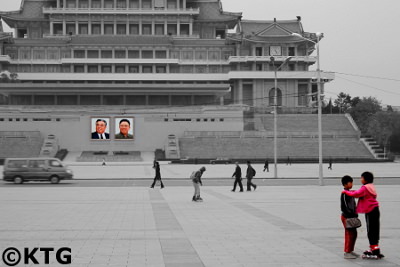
x=122, y=29
x=117, y=68
x=146, y=4
x=194, y=120
x=56, y=54
x=58, y=120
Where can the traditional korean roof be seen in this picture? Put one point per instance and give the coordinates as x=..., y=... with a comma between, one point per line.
x=211, y=11
x=29, y=10
x=271, y=28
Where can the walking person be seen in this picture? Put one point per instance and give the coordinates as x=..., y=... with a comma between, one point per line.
x=157, y=177
x=196, y=179
x=288, y=161
x=348, y=207
x=104, y=162
x=266, y=165
x=238, y=178
x=250, y=173
x=330, y=164
x=368, y=204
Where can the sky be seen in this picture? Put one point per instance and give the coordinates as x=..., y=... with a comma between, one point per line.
x=359, y=45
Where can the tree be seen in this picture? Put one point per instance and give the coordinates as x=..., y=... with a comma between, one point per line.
x=363, y=112
x=343, y=102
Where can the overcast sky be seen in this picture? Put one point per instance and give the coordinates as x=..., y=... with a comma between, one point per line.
x=359, y=44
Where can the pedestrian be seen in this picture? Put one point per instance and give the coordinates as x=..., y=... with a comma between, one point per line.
x=368, y=204
x=157, y=178
x=330, y=164
x=288, y=161
x=249, y=175
x=238, y=178
x=104, y=162
x=348, y=207
x=266, y=165
x=196, y=179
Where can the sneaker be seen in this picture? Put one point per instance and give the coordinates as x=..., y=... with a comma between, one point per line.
x=349, y=256
x=233, y=190
x=199, y=199
x=255, y=187
x=355, y=254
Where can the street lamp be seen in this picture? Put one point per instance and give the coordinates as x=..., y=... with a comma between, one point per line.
x=276, y=112
x=321, y=175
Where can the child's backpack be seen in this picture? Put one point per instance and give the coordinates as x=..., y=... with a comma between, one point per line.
x=254, y=172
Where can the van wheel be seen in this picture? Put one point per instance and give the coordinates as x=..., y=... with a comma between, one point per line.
x=54, y=179
x=18, y=180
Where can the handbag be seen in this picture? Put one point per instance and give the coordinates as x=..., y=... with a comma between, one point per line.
x=353, y=223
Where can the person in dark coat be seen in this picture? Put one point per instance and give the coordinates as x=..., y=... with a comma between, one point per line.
x=158, y=175
x=238, y=178
x=249, y=175
x=266, y=165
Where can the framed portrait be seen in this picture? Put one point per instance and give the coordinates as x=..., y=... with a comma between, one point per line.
x=100, y=128
x=124, y=128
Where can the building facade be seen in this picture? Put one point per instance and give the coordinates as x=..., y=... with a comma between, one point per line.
x=74, y=56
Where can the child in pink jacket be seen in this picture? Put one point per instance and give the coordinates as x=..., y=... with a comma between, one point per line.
x=368, y=204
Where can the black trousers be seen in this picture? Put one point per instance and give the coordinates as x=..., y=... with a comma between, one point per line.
x=250, y=184
x=373, y=226
x=154, y=182
x=238, y=181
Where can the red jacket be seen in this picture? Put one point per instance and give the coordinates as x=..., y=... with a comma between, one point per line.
x=367, y=198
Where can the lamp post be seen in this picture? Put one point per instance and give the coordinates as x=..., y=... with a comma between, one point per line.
x=320, y=163
x=276, y=111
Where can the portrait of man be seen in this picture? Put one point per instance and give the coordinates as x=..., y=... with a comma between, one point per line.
x=99, y=128
x=125, y=128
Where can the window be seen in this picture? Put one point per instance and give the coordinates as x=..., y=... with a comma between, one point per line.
x=121, y=4
x=291, y=51
x=36, y=164
x=172, y=29
x=106, y=69
x=133, y=69
x=93, y=69
x=93, y=54
x=133, y=54
x=70, y=28
x=184, y=29
x=79, y=69
x=134, y=29
x=161, y=69
x=96, y=29
x=120, y=69
x=220, y=34
x=109, y=29
x=121, y=29
x=147, y=69
x=79, y=53
x=259, y=51
x=96, y=3
x=147, y=54
x=38, y=54
x=83, y=28
x=108, y=3
x=161, y=54
x=146, y=4
x=146, y=29
x=55, y=163
x=106, y=54
x=120, y=54
x=159, y=29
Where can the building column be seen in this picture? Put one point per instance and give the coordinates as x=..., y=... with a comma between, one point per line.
x=178, y=27
x=178, y=4
x=102, y=27
x=90, y=25
x=51, y=27
x=102, y=4
x=221, y=100
x=65, y=3
x=76, y=3
x=76, y=28
x=191, y=27
x=58, y=3
x=140, y=26
x=239, y=99
x=64, y=27
x=165, y=27
x=153, y=26
x=90, y=4
x=127, y=25
x=115, y=25
x=140, y=4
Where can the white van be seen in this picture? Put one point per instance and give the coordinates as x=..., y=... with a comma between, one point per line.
x=19, y=170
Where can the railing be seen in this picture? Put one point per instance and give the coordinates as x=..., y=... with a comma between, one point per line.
x=238, y=59
x=5, y=58
x=115, y=10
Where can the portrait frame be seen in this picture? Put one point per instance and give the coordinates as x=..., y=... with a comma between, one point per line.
x=93, y=131
x=118, y=135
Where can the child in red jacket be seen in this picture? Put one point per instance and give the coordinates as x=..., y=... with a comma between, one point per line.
x=368, y=204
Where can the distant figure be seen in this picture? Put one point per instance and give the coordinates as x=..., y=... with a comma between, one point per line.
x=266, y=165
x=157, y=178
x=249, y=175
x=104, y=162
x=330, y=164
x=196, y=179
x=288, y=161
x=238, y=178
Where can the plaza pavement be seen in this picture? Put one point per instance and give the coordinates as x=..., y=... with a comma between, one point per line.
x=139, y=226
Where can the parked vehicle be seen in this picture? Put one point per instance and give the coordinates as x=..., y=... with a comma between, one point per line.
x=19, y=170
x=220, y=161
